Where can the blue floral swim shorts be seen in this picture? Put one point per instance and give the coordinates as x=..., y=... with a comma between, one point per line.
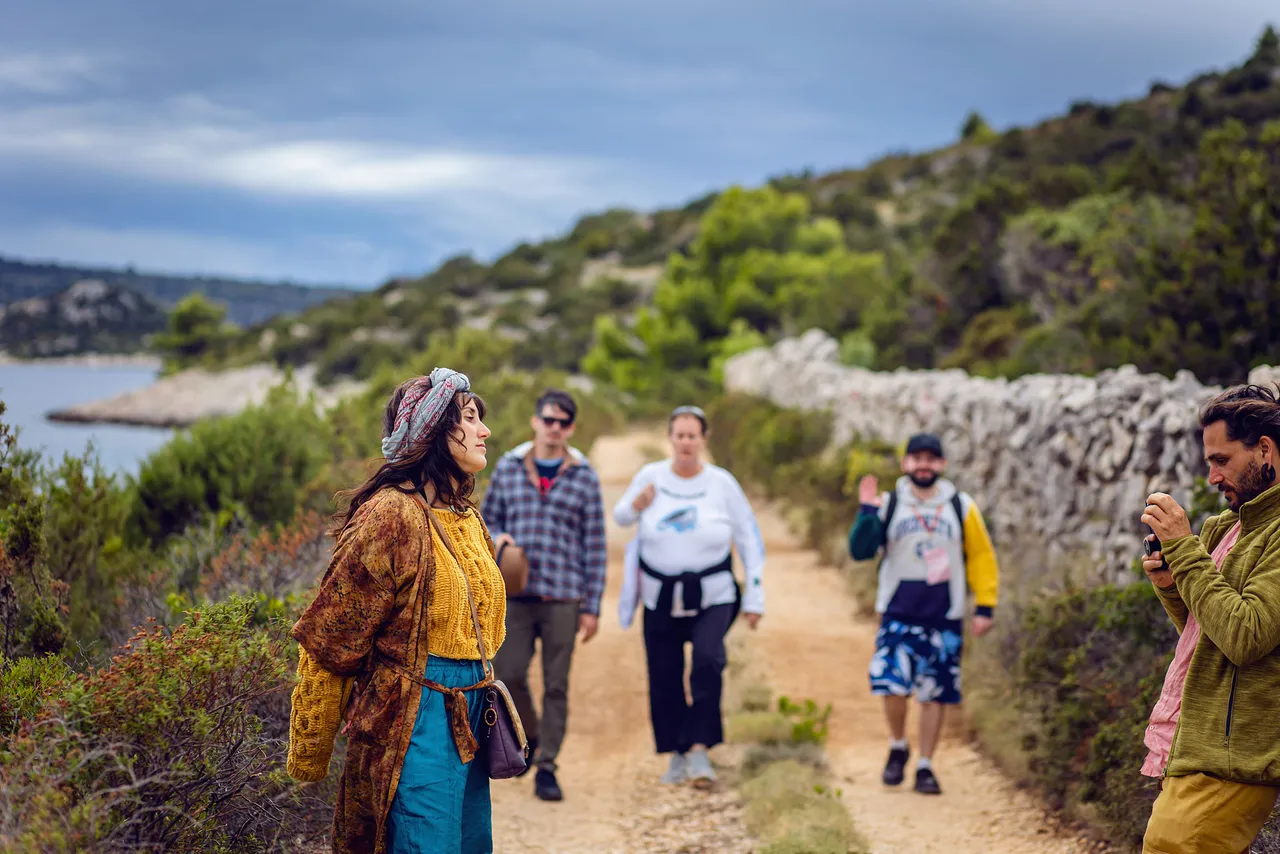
x=913, y=658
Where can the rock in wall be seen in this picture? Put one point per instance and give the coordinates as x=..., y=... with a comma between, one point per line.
x=1058, y=463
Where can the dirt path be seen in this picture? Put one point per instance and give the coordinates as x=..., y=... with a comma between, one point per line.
x=809, y=645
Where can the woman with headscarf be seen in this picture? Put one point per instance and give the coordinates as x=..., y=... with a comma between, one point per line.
x=690, y=513
x=390, y=642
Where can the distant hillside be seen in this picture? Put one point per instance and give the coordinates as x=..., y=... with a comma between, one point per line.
x=88, y=317
x=1146, y=231
x=247, y=302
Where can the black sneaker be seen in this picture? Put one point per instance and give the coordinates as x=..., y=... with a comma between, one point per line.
x=894, y=768
x=533, y=750
x=926, y=783
x=546, y=787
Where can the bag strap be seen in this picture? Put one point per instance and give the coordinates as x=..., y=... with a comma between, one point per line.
x=958, y=505
x=471, y=599
x=888, y=515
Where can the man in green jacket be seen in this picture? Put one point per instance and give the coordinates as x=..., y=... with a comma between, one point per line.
x=1224, y=763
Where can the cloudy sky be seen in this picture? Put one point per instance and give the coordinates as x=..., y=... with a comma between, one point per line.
x=343, y=141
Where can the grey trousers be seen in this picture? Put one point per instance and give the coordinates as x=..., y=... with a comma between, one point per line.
x=556, y=624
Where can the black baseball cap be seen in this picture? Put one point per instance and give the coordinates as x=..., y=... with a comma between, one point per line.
x=925, y=443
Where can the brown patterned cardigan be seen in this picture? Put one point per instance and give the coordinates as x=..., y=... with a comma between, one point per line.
x=368, y=609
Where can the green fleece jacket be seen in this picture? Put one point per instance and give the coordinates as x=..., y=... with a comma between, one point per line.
x=1229, y=725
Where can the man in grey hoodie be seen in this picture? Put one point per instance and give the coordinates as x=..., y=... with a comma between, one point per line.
x=935, y=548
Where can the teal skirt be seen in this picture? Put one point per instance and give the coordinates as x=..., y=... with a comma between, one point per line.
x=442, y=806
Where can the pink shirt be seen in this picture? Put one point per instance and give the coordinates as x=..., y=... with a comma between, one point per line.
x=1164, y=717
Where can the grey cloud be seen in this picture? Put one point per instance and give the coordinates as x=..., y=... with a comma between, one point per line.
x=475, y=125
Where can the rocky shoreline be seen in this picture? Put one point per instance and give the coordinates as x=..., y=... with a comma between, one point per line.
x=187, y=397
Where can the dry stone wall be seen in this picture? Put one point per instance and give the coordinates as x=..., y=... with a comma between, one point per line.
x=1061, y=465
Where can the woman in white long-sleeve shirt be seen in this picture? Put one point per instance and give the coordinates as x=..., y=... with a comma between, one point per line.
x=691, y=514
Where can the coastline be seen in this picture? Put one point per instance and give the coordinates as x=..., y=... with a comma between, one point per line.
x=182, y=399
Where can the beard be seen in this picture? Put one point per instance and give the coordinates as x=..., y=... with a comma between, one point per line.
x=924, y=479
x=1251, y=485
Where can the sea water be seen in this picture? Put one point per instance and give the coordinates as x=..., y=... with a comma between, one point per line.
x=31, y=390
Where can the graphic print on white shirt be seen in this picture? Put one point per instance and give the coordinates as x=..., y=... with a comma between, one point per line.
x=693, y=524
x=680, y=521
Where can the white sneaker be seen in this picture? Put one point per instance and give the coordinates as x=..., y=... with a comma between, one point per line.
x=700, y=770
x=677, y=771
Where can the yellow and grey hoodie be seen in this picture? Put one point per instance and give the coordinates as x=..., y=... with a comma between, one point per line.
x=949, y=520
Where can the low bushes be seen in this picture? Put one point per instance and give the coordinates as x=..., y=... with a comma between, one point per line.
x=1084, y=666
x=257, y=460
x=176, y=745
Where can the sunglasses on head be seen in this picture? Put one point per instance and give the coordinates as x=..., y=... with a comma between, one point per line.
x=551, y=421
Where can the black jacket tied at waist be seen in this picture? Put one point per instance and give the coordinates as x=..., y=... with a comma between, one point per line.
x=691, y=585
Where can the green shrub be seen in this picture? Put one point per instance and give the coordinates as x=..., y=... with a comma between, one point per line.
x=198, y=332
x=30, y=598
x=1084, y=666
x=356, y=359
x=26, y=685
x=761, y=261
x=174, y=746
x=756, y=439
x=85, y=513
x=791, y=723
x=258, y=460
x=1081, y=656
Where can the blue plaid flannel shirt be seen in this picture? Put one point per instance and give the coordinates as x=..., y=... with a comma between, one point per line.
x=562, y=532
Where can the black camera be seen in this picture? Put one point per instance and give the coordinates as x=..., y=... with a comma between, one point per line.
x=1151, y=546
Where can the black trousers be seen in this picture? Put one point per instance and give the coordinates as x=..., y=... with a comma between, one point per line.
x=677, y=724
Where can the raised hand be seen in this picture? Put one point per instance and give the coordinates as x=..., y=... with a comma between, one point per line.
x=869, y=490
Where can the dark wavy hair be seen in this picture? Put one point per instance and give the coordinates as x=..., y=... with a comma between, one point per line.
x=429, y=461
x=1249, y=412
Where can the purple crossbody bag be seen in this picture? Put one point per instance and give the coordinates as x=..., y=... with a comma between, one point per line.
x=508, y=746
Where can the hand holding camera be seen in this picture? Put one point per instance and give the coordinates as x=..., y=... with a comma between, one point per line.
x=1154, y=564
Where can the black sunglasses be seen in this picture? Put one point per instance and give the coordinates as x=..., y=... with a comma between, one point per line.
x=551, y=421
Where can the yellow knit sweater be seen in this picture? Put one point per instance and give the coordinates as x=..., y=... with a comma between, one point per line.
x=450, y=630
x=320, y=697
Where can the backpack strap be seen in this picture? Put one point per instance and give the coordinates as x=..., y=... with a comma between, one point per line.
x=888, y=516
x=959, y=508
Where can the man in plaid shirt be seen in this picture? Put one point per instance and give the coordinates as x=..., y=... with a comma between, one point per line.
x=545, y=497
